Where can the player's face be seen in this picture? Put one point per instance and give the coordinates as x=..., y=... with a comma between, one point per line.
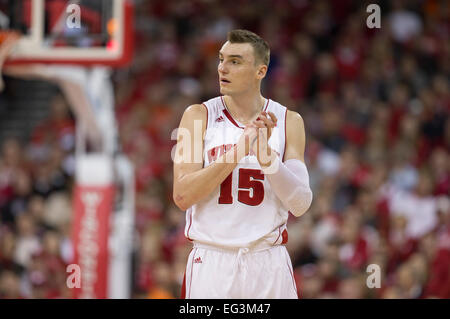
x=237, y=69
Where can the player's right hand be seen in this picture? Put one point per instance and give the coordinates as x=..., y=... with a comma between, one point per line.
x=266, y=121
x=247, y=138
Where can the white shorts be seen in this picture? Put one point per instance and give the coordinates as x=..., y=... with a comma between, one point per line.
x=213, y=273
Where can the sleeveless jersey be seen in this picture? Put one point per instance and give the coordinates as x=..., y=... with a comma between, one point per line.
x=243, y=211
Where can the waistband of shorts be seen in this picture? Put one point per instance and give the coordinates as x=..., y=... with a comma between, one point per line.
x=259, y=246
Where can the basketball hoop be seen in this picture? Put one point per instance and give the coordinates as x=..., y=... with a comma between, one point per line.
x=74, y=32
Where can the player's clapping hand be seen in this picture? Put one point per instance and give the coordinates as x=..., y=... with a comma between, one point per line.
x=248, y=138
x=264, y=123
x=254, y=139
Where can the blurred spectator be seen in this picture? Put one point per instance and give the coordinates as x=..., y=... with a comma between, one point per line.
x=404, y=23
x=10, y=285
x=28, y=242
x=352, y=288
x=58, y=129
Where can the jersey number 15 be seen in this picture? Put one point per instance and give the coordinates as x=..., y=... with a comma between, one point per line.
x=245, y=184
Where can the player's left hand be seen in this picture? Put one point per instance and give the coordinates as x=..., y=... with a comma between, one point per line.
x=265, y=123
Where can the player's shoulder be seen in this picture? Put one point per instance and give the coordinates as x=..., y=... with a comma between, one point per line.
x=294, y=116
x=294, y=121
x=295, y=135
x=195, y=111
x=195, y=108
x=202, y=108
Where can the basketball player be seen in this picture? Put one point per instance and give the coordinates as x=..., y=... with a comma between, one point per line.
x=251, y=173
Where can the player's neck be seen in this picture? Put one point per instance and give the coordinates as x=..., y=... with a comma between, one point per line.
x=246, y=107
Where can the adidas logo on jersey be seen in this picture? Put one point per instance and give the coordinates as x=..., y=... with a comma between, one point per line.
x=198, y=260
x=220, y=119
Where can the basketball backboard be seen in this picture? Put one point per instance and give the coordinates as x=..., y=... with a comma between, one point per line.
x=70, y=31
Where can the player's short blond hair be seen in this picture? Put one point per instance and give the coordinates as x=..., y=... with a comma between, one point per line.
x=260, y=46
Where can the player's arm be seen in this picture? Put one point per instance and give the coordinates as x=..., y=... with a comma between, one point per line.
x=192, y=182
x=289, y=179
x=295, y=137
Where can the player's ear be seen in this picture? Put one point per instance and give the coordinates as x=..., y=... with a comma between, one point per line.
x=262, y=70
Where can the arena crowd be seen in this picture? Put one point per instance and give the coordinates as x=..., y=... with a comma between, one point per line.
x=375, y=103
